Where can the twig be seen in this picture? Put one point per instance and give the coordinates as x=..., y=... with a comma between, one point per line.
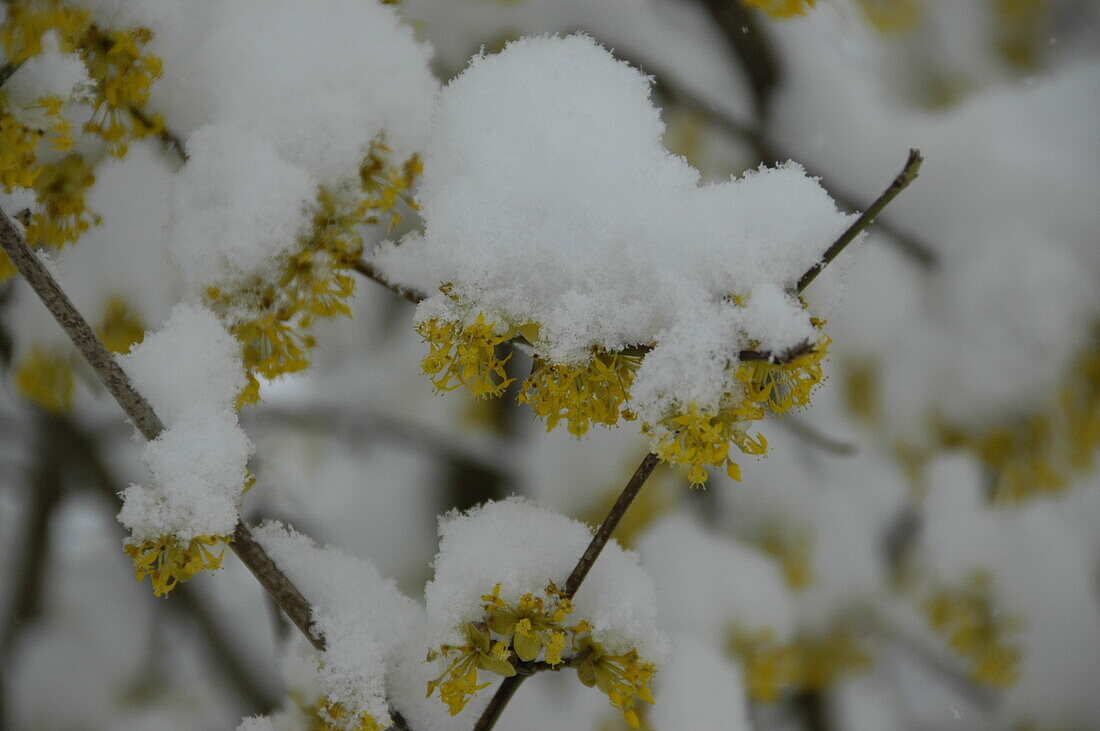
x=603, y=533
x=907, y=175
x=369, y=271
x=917, y=250
x=82, y=449
x=815, y=437
x=508, y=688
x=144, y=418
x=165, y=135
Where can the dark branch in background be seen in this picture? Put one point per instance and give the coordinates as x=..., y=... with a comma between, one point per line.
x=44, y=481
x=764, y=150
x=750, y=48
x=815, y=437
x=141, y=414
x=83, y=451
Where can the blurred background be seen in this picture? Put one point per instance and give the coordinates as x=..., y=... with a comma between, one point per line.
x=919, y=549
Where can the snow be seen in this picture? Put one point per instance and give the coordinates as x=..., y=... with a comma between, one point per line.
x=523, y=547
x=700, y=689
x=317, y=80
x=50, y=73
x=190, y=371
x=235, y=206
x=707, y=584
x=363, y=618
x=610, y=240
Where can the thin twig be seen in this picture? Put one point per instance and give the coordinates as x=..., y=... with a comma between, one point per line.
x=508, y=688
x=142, y=415
x=917, y=250
x=171, y=140
x=907, y=175
x=815, y=437
x=603, y=533
x=369, y=271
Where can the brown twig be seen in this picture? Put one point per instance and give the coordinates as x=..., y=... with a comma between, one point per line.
x=752, y=135
x=508, y=688
x=369, y=271
x=144, y=418
x=603, y=533
x=907, y=175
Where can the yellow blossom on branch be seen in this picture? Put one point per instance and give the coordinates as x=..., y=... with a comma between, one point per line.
x=167, y=561
x=781, y=8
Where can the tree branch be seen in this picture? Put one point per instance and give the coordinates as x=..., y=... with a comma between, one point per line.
x=907, y=175
x=508, y=688
x=369, y=271
x=144, y=418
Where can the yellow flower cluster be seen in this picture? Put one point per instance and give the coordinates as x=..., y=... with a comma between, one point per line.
x=316, y=278
x=461, y=355
x=535, y=626
x=331, y=716
x=166, y=562
x=622, y=678
x=595, y=392
x=781, y=8
x=966, y=617
x=1041, y=454
x=582, y=395
x=45, y=377
x=699, y=436
x=774, y=668
x=123, y=76
x=891, y=17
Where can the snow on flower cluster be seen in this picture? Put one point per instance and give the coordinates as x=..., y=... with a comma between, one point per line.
x=553, y=213
x=190, y=370
x=363, y=618
x=287, y=127
x=497, y=598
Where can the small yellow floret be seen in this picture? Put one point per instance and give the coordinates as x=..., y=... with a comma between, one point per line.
x=965, y=616
x=582, y=395
x=45, y=378
x=166, y=562
x=782, y=8
x=331, y=716
x=465, y=355
x=121, y=327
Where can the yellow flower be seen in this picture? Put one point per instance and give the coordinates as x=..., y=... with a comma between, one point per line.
x=965, y=616
x=782, y=8
x=622, y=678
x=167, y=562
x=582, y=395
x=125, y=76
x=458, y=683
x=121, y=327
x=466, y=356
x=45, y=377
x=697, y=436
x=331, y=716
x=60, y=188
x=533, y=624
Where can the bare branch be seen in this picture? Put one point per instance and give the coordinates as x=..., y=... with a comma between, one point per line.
x=508, y=688
x=369, y=271
x=142, y=415
x=907, y=175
